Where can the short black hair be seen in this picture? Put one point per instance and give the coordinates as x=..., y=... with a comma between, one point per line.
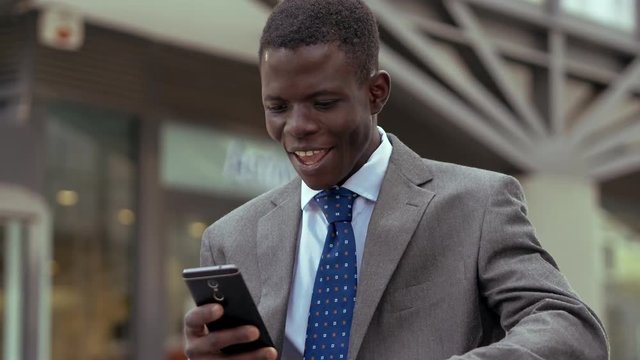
x=348, y=23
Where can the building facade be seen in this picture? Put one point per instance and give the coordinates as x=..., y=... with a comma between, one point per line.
x=116, y=154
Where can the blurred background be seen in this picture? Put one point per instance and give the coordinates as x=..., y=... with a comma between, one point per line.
x=126, y=127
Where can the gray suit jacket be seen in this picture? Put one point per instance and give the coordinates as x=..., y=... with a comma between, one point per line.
x=451, y=269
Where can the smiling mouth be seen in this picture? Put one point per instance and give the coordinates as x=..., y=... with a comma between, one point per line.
x=310, y=157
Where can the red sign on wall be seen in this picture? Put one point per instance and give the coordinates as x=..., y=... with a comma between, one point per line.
x=61, y=28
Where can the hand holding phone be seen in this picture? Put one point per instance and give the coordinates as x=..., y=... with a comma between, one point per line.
x=234, y=326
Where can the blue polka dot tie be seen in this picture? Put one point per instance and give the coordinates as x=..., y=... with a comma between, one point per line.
x=334, y=290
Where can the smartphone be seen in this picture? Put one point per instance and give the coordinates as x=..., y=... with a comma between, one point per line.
x=224, y=285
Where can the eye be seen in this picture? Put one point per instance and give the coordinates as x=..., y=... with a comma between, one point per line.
x=275, y=108
x=325, y=104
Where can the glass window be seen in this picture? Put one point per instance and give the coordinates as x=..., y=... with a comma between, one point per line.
x=619, y=14
x=537, y=2
x=623, y=280
x=201, y=159
x=186, y=217
x=2, y=288
x=206, y=174
x=91, y=188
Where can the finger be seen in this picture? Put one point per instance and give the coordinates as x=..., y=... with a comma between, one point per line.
x=201, y=348
x=196, y=319
x=268, y=353
x=260, y=354
x=211, y=344
x=242, y=334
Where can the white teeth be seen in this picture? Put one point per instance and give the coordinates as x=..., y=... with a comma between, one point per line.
x=308, y=153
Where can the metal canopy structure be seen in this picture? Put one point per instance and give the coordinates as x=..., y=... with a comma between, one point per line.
x=549, y=92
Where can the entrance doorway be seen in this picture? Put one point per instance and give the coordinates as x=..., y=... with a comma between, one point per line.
x=25, y=256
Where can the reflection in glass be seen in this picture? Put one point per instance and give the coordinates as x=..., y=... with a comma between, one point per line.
x=91, y=188
x=537, y=2
x=619, y=14
x=186, y=216
x=2, y=286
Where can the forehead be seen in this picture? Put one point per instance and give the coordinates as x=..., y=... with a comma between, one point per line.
x=324, y=65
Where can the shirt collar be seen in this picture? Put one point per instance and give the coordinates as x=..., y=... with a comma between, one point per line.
x=367, y=180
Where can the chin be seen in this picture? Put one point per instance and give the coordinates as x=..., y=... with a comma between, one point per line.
x=317, y=184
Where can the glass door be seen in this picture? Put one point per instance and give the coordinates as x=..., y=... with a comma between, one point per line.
x=11, y=257
x=92, y=190
x=186, y=216
x=24, y=275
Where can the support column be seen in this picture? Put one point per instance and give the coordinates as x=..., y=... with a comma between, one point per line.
x=150, y=309
x=13, y=286
x=566, y=213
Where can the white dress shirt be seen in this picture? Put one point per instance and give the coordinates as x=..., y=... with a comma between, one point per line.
x=366, y=183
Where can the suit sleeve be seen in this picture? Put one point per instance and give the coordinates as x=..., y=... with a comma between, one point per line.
x=542, y=317
x=207, y=257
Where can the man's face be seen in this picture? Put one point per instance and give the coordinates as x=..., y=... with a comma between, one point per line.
x=319, y=111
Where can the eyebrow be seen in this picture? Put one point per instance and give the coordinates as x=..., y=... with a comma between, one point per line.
x=323, y=93
x=273, y=98
x=310, y=96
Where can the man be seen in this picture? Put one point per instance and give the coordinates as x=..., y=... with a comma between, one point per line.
x=433, y=261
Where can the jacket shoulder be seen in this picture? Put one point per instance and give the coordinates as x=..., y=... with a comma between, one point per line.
x=454, y=176
x=251, y=211
x=236, y=231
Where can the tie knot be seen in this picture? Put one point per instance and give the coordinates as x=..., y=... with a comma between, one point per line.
x=336, y=203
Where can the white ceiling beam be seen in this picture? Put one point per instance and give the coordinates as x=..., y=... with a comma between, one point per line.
x=557, y=81
x=442, y=100
x=517, y=51
x=461, y=81
x=595, y=118
x=610, y=142
x=436, y=28
x=531, y=13
x=620, y=166
x=494, y=65
x=577, y=94
x=522, y=53
x=456, y=35
x=583, y=29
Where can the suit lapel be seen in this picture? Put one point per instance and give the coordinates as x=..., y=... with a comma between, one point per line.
x=277, y=237
x=398, y=210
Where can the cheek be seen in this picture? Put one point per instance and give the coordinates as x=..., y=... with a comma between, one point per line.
x=274, y=128
x=362, y=131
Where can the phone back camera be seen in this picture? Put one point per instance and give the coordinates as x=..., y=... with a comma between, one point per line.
x=213, y=284
x=218, y=295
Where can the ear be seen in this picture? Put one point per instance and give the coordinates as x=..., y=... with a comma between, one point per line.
x=379, y=89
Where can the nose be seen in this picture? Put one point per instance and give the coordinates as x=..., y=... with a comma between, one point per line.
x=300, y=122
